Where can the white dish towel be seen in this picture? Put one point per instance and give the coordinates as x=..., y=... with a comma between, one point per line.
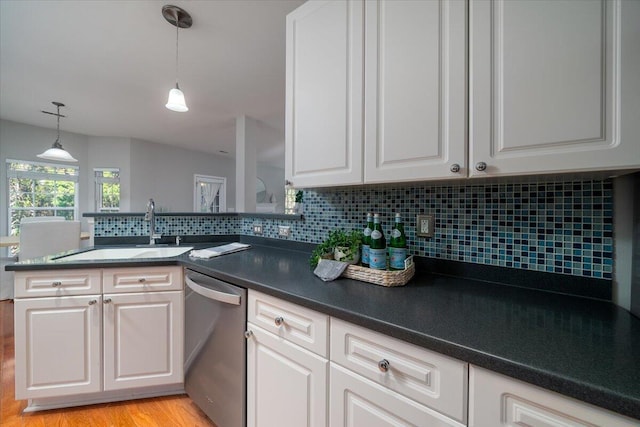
x=218, y=250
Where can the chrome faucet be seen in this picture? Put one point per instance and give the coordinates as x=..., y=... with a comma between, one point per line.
x=151, y=217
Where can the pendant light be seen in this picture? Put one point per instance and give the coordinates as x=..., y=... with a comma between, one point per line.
x=56, y=152
x=181, y=19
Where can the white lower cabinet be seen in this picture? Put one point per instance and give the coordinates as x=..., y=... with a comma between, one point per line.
x=58, y=346
x=369, y=379
x=287, y=366
x=499, y=401
x=143, y=339
x=76, y=349
x=357, y=401
x=286, y=384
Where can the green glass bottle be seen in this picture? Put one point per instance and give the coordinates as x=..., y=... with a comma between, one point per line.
x=366, y=240
x=377, y=246
x=397, y=245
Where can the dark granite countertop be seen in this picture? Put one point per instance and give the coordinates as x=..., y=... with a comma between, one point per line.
x=580, y=347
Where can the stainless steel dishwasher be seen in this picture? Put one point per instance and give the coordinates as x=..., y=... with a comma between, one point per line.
x=215, y=348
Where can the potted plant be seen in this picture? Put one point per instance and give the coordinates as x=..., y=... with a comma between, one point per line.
x=340, y=245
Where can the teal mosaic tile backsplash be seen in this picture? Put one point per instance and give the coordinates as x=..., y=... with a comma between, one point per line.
x=561, y=227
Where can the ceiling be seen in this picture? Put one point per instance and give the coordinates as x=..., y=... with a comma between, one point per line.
x=113, y=62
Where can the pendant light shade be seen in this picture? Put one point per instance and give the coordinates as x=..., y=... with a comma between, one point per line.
x=180, y=19
x=56, y=152
x=176, y=100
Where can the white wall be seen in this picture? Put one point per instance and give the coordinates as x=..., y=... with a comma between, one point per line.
x=147, y=169
x=110, y=152
x=273, y=178
x=165, y=173
x=24, y=142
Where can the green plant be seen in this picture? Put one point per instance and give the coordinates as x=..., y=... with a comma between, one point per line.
x=350, y=241
x=299, y=196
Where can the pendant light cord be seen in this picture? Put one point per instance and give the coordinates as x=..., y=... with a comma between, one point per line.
x=177, y=35
x=58, y=127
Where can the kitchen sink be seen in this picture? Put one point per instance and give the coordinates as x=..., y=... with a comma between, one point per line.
x=126, y=253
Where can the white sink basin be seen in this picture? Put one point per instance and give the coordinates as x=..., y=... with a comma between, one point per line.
x=126, y=253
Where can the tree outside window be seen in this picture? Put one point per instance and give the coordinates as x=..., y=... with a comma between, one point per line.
x=40, y=189
x=107, y=189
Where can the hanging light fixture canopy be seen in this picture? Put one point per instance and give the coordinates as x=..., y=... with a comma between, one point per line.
x=180, y=19
x=56, y=152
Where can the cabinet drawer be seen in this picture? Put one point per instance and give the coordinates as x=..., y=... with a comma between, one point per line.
x=142, y=279
x=57, y=283
x=500, y=401
x=432, y=379
x=356, y=401
x=302, y=326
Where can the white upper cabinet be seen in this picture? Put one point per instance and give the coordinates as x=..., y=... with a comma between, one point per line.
x=415, y=90
x=383, y=91
x=324, y=94
x=553, y=86
x=401, y=116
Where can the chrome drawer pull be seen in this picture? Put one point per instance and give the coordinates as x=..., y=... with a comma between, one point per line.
x=107, y=300
x=93, y=301
x=279, y=321
x=481, y=166
x=248, y=334
x=142, y=280
x=56, y=284
x=455, y=168
x=383, y=365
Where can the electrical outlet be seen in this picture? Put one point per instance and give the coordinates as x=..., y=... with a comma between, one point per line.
x=257, y=229
x=284, y=231
x=425, y=225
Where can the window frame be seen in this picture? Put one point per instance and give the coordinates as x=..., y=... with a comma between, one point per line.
x=97, y=195
x=33, y=175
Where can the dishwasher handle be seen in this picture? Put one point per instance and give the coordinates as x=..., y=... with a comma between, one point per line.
x=218, y=295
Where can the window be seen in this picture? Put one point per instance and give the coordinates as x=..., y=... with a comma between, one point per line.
x=209, y=193
x=290, y=200
x=107, y=193
x=40, y=189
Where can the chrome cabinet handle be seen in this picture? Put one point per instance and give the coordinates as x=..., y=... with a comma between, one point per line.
x=383, y=365
x=56, y=284
x=279, y=321
x=481, y=166
x=107, y=300
x=455, y=168
x=248, y=334
x=142, y=280
x=93, y=301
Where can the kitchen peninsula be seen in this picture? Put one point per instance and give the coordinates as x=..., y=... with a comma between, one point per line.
x=580, y=347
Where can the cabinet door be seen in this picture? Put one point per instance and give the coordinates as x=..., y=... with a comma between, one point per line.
x=554, y=86
x=415, y=90
x=324, y=82
x=143, y=339
x=58, y=343
x=500, y=401
x=356, y=402
x=286, y=384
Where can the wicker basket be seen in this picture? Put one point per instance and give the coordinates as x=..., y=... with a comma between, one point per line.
x=381, y=277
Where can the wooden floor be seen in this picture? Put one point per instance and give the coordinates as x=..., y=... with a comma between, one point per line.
x=171, y=411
